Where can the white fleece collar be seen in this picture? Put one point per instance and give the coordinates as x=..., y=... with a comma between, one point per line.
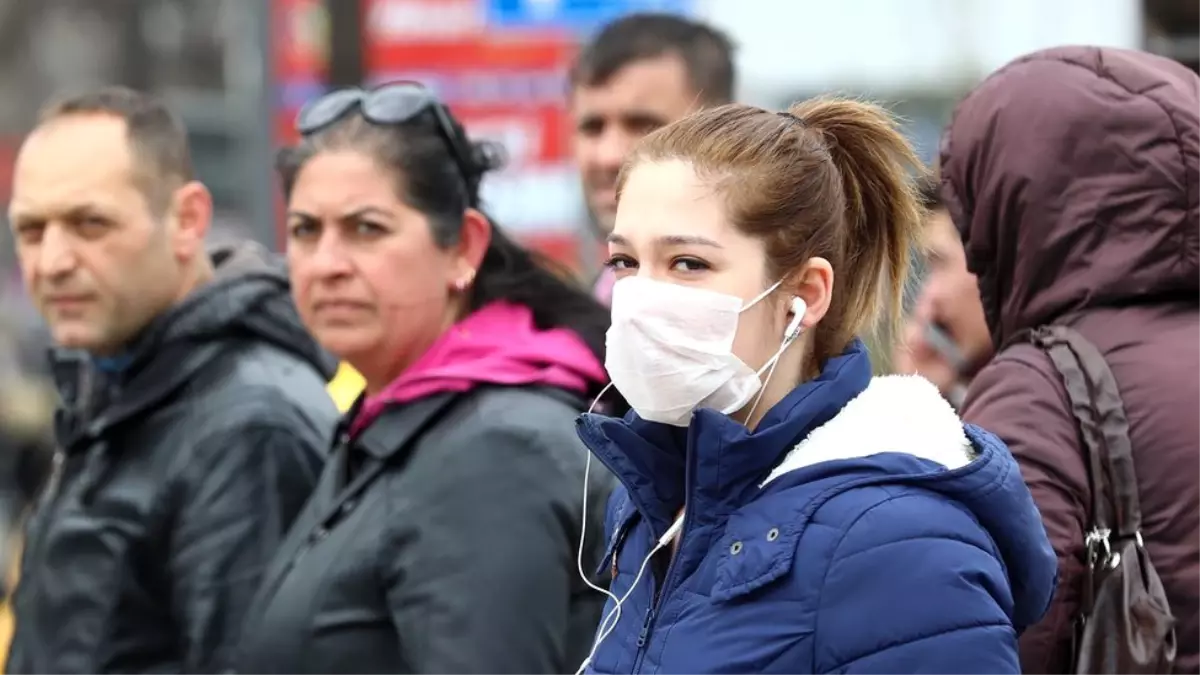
x=895, y=413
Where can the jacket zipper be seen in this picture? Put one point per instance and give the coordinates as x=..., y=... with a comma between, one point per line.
x=669, y=580
x=44, y=511
x=47, y=501
x=645, y=634
x=656, y=598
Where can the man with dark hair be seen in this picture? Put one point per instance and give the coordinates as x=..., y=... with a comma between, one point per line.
x=193, y=414
x=946, y=339
x=639, y=73
x=156, y=137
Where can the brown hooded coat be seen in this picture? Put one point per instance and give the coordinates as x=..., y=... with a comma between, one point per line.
x=1071, y=174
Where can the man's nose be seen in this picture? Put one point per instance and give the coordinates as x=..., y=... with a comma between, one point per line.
x=56, y=253
x=612, y=148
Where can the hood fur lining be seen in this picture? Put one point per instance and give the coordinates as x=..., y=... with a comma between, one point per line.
x=895, y=413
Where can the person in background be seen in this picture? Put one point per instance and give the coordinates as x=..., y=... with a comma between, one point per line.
x=782, y=511
x=442, y=538
x=946, y=339
x=640, y=72
x=193, y=411
x=1071, y=174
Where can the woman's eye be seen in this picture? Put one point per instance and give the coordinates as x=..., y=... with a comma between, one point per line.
x=365, y=228
x=689, y=265
x=302, y=229
x=620, y=262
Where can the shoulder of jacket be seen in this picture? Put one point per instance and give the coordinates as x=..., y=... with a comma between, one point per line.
x=1020, y=370
x=532, y=397
x=493, y=431
x=529, y=412
x=253, y=360
x=262, y=384
x=1019, y=356
x=866, y=517
x=243, y=423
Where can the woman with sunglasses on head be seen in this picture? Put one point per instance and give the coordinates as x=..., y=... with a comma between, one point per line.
x=783, y=511
x=442, y=536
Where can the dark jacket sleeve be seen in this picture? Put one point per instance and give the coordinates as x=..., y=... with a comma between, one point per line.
x=242, y=490
x=1020, y=399
x=478, y=579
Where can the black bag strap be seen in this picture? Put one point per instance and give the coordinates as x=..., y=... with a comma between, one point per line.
x=1097, y=407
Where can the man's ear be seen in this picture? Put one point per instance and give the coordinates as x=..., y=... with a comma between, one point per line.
x=192, y=209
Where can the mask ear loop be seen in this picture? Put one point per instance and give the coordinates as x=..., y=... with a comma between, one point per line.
x=614, y=615
x=758, y=298
x=799, y=307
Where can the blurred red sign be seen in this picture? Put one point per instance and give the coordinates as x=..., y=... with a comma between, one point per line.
x=300, y=32
x=503, y=86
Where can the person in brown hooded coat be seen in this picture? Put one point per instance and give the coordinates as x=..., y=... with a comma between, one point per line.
x=1071, y=174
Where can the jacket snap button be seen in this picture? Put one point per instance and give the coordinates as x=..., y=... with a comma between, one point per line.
x=773, y=534
x=736, y=548
x=348, y=506
x=320, y=534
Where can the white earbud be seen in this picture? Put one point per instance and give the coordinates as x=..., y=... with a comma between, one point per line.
x=799, y=307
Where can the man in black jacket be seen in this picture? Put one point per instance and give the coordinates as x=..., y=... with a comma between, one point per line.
x=194, y=414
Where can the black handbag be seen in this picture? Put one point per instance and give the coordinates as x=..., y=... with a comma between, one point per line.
x=1124, y=623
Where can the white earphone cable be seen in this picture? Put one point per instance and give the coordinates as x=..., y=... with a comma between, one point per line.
x=614, y=615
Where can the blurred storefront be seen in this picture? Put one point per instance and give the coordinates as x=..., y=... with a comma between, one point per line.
x=206, y=56
x=239, y=69
x=500, y=65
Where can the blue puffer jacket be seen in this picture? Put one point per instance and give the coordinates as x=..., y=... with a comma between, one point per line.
x=861, y=528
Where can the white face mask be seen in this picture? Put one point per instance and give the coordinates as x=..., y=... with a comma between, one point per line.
x=670, y=350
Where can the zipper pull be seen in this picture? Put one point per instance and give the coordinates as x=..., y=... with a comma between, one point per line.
x=645, y=634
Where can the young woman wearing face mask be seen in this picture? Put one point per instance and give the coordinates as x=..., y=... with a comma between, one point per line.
x=442, y=535
x=782, y=511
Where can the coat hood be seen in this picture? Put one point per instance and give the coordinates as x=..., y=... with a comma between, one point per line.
x=1071, y=174
x=248, y=299
x=899, y=418
x=498, y=344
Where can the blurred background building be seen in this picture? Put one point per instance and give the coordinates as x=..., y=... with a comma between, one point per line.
x=238, y=71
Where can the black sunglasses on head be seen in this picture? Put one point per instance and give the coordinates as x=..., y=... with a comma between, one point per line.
x=394, y=103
